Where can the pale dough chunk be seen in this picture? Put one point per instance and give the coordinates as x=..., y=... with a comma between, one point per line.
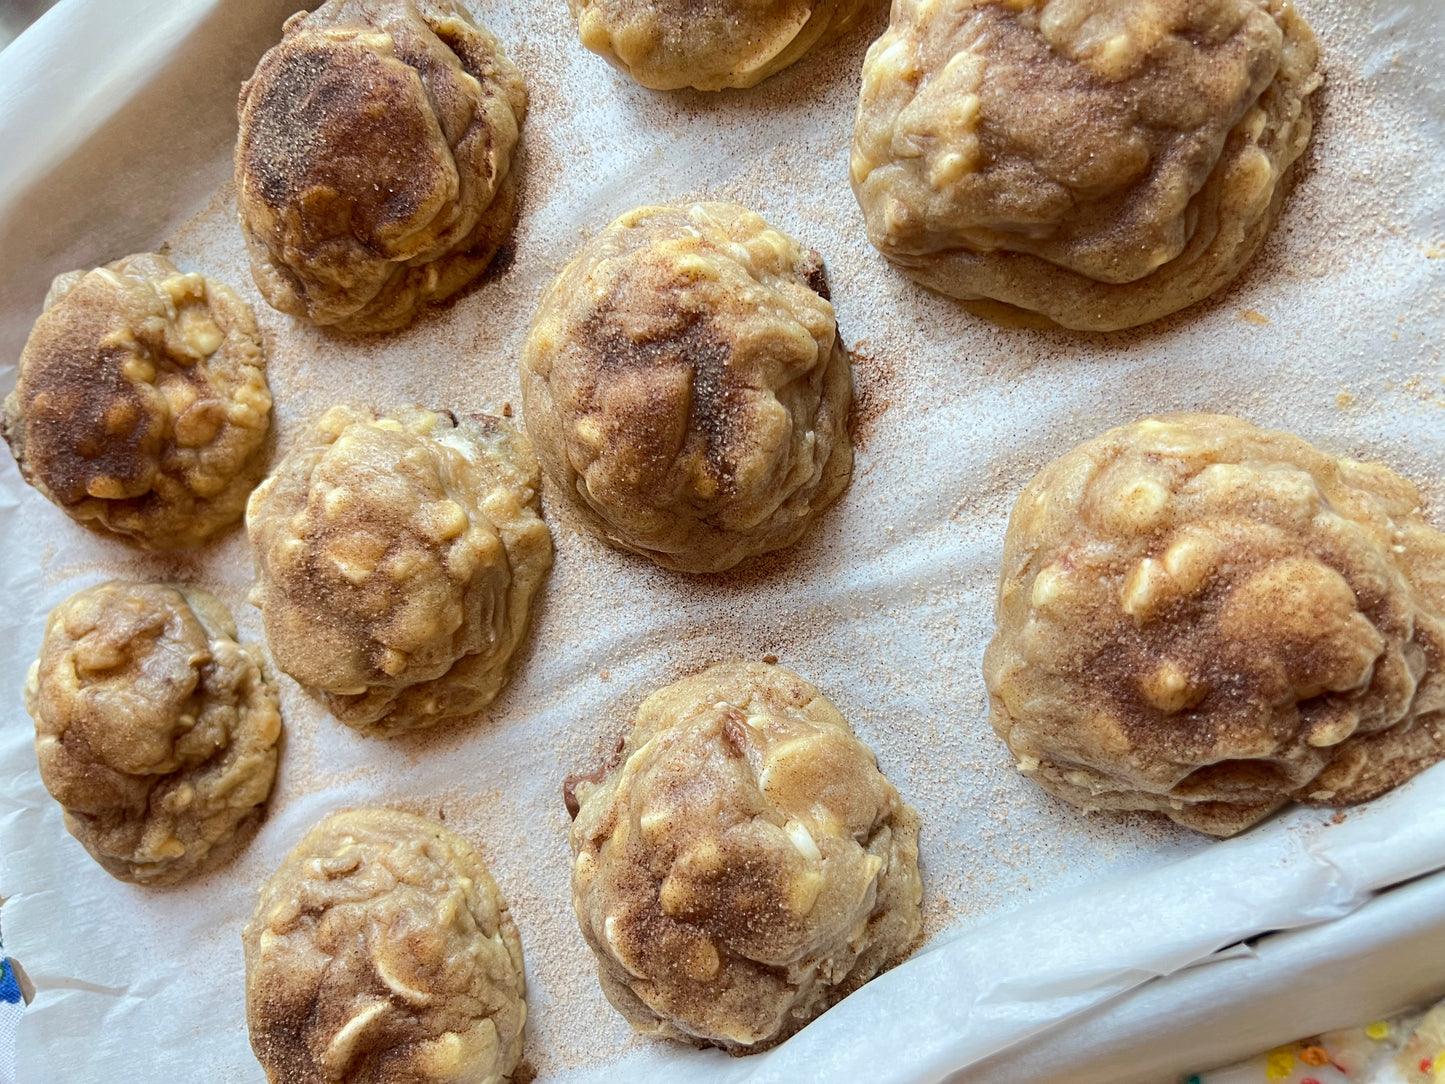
x=1103, y=162
x=1208, y=619
x=744, y=864
x=141, y=408
x=373, y=168
x=685, y=383
x=381, y=952
x=396, y=561
x=154, y=729
x=707, y=44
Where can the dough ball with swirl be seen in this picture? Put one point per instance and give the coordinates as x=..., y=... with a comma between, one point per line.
x=381, y=952
x=374, y=163
x=685, y=384
x=396, y=562
x=1208, y=619
x=744, y=864
x=1103, y=164
x=154, y=729
x=141, y=407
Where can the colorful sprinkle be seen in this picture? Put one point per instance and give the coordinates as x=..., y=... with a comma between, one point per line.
x=1314, y=1055
x=1379, y=1030
x=1425, y=1064
x=1438, y=1065
x=1309, y=1080
x=1280, y=1064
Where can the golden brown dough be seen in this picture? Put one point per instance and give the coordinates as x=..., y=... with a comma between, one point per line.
x=381, y=952
x=373, y=168
x=1208, y=619
x=141, y=408
x=396, y=561
x=685, y=383
x=744, y=865
x=154, y=729
x=1102, y=163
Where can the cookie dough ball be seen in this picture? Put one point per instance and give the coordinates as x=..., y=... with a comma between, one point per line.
x=373, y=168
x=685, y=383
x=381, y=952
x=744, y=864
x=155, y=730
x=1208, y=619
x=396, y=561
x=668, y=44
x=1102, y=164
x=141, y=408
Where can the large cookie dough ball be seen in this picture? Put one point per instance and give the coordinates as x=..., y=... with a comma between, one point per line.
x=141, y=408
x=154, y=728
x=744, y=865
x=668, y=44
x=382, y=953
x=685, y=383
x=1208, y=619
x=373, y=168
x=1101, y=163
x=396, y=561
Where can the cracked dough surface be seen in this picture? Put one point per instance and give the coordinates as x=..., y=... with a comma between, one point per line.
x=1103, y=164
x=381, y=952
x=154, y=729
x=744, y=865
x=1208, y=619
x=396, y=562
x=141, y=407
x=373, y=166
x=684, y=382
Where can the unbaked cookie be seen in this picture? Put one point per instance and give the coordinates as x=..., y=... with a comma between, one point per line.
x=396, y=561
x=141, y=407
x=744, y=864
x=1101, y=164
x=1208, y=619
x=684, y=382
x=374, y=164
x=381, y=952
x=154, y=729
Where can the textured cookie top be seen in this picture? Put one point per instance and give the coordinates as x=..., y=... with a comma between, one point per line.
x=1206, y=618
x=141, y=407
x=381, y=952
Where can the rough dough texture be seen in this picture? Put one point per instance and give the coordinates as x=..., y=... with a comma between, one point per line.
x=685, y=383
x=744, y=864
x=141, y=408
x=1102, y=163
x=396, y=561
x=382, y=953
x=373, y=168
x=707, y=44
x=1208, y=619
x=155, y=730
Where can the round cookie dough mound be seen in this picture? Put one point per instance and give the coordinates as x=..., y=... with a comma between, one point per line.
x=1102, y=164
x=1208, y=619
x=141, y=407
x=396, y=561
x=685, y=383
x=712, y=44
x=373, y=168
x=744, y=865
x=381, y=952
x=155, y=730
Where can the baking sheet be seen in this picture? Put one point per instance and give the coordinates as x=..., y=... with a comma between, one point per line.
x=116, y=120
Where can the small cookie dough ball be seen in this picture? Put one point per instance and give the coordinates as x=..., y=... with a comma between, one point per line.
x=1208, y=619
x=744, y=865
x=668, y=44
x=373, y=167
x=1101, y=164
x=381, y=952
x=396, y=560
x=685, y=383
x=141, y=408
x=155, y=730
